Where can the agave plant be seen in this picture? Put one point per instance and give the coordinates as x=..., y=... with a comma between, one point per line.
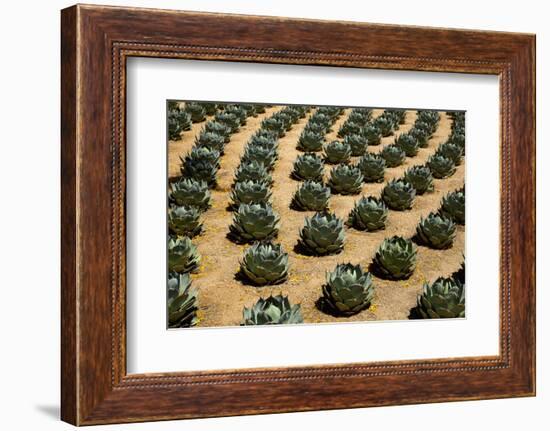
x=200, y=170
x=182, y=301
x=254, y=222
x=274, y=125
x=252, y=171
x=211, y=141
x=348, y=290
x=183, y=255
x=436, y=231
x=256, y=153
x=420, y=135
x=190, y=192
x=385, y=125
x=265, y=263
x=310, y=141
x=238, y=111
x=408, y=144
x=247, y=192
x=275, y=310
x=337, y=152
x=196, y=111
x=357, y=144
x=372, y=166
x=360, y=116
x=308, y=166
x=178, y=122
x=349, y=128
x=458, y=138
x=322, y=234
x=311, y=196
x=345, y=180
x=218, y=128
x=453, y=206
x=321, y=119
x=427, y=127
x=399, y=195
x=420, y=177
x=445, y=298
x=318, y=128
x=368, y=214
x=441, y=166
x=209, y=108
x=229, y=120
x=201, y=154
x=372, y=134
x=185, y=221
x=395, y=258
x=451, y=151
x=267, y=141
x=393, y=155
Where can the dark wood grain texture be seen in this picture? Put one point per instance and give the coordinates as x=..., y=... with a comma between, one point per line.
x=96, y=41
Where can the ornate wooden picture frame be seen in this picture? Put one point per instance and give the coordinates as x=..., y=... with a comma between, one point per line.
x=96, y=41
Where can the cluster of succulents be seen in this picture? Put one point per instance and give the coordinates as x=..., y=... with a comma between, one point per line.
x=196, y=111
x=424, y=127
x=345, y=179
x=265, y=263
x=399, y=194
x=453, y=206
x=436, y=231
x=347, y=291
x=311, y=196
x=182, y=301
x=357, y=119
x=395, y=259
x=323, y=234
x=372, y=166
x=274, y=310
x=368, y=214
x=443, y=299
x=389, y=121
x=337, y=152
x=178, y=121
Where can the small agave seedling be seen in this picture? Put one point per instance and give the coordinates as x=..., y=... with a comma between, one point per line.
x=451, y=151
x=372, y=166
x=368, y=214
x=346, y=180
x=393, y=155
x=252, y=171
x=310, y=141
x=183, y=255
x=185, y=221
x=395, y=258
x=308, y=166
x=372, y=134
x=337, y=152
x=348, y=290
x=408, y=144
x=420, y=135
x=399, y=195
x=190, y=192
x=210, y=140
x=311, y=196
x=265, y=156
x=218, y=128
x=265, y=263
x=196, y=111
x=453, y=206
x=445, y=298
x=349, y=128
x=357, y=144
x=441, y=166
x=322, y=234
x=436, y=231
x=254, y=222
x=420, y=177
x=182, y=301
x=274, y=310
x=248, y=192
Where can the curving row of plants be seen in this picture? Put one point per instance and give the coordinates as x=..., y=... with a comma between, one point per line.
x=189, y=198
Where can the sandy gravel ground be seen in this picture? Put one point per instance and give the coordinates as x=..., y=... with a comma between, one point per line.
x=222, y=297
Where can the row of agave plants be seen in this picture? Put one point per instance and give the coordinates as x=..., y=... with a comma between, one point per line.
x=189, y=198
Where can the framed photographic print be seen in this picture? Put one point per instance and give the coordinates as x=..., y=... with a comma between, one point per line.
x=266, y=208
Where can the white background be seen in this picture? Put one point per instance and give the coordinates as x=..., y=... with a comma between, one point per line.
x=151, y=348
x=29, y=231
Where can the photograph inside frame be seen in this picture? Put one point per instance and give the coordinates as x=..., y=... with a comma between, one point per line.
x=291, y=214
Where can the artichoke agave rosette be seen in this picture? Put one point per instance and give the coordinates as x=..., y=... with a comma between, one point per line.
x=368, y=214
x=395, y=259
x=182, y=301
x=274, y=310
x=183, y=255
x=345, y=179
x=265, y=263
x=311, y=196
x=436, y=231
x=444, y=298
x=254, y=222
x=322, y=234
